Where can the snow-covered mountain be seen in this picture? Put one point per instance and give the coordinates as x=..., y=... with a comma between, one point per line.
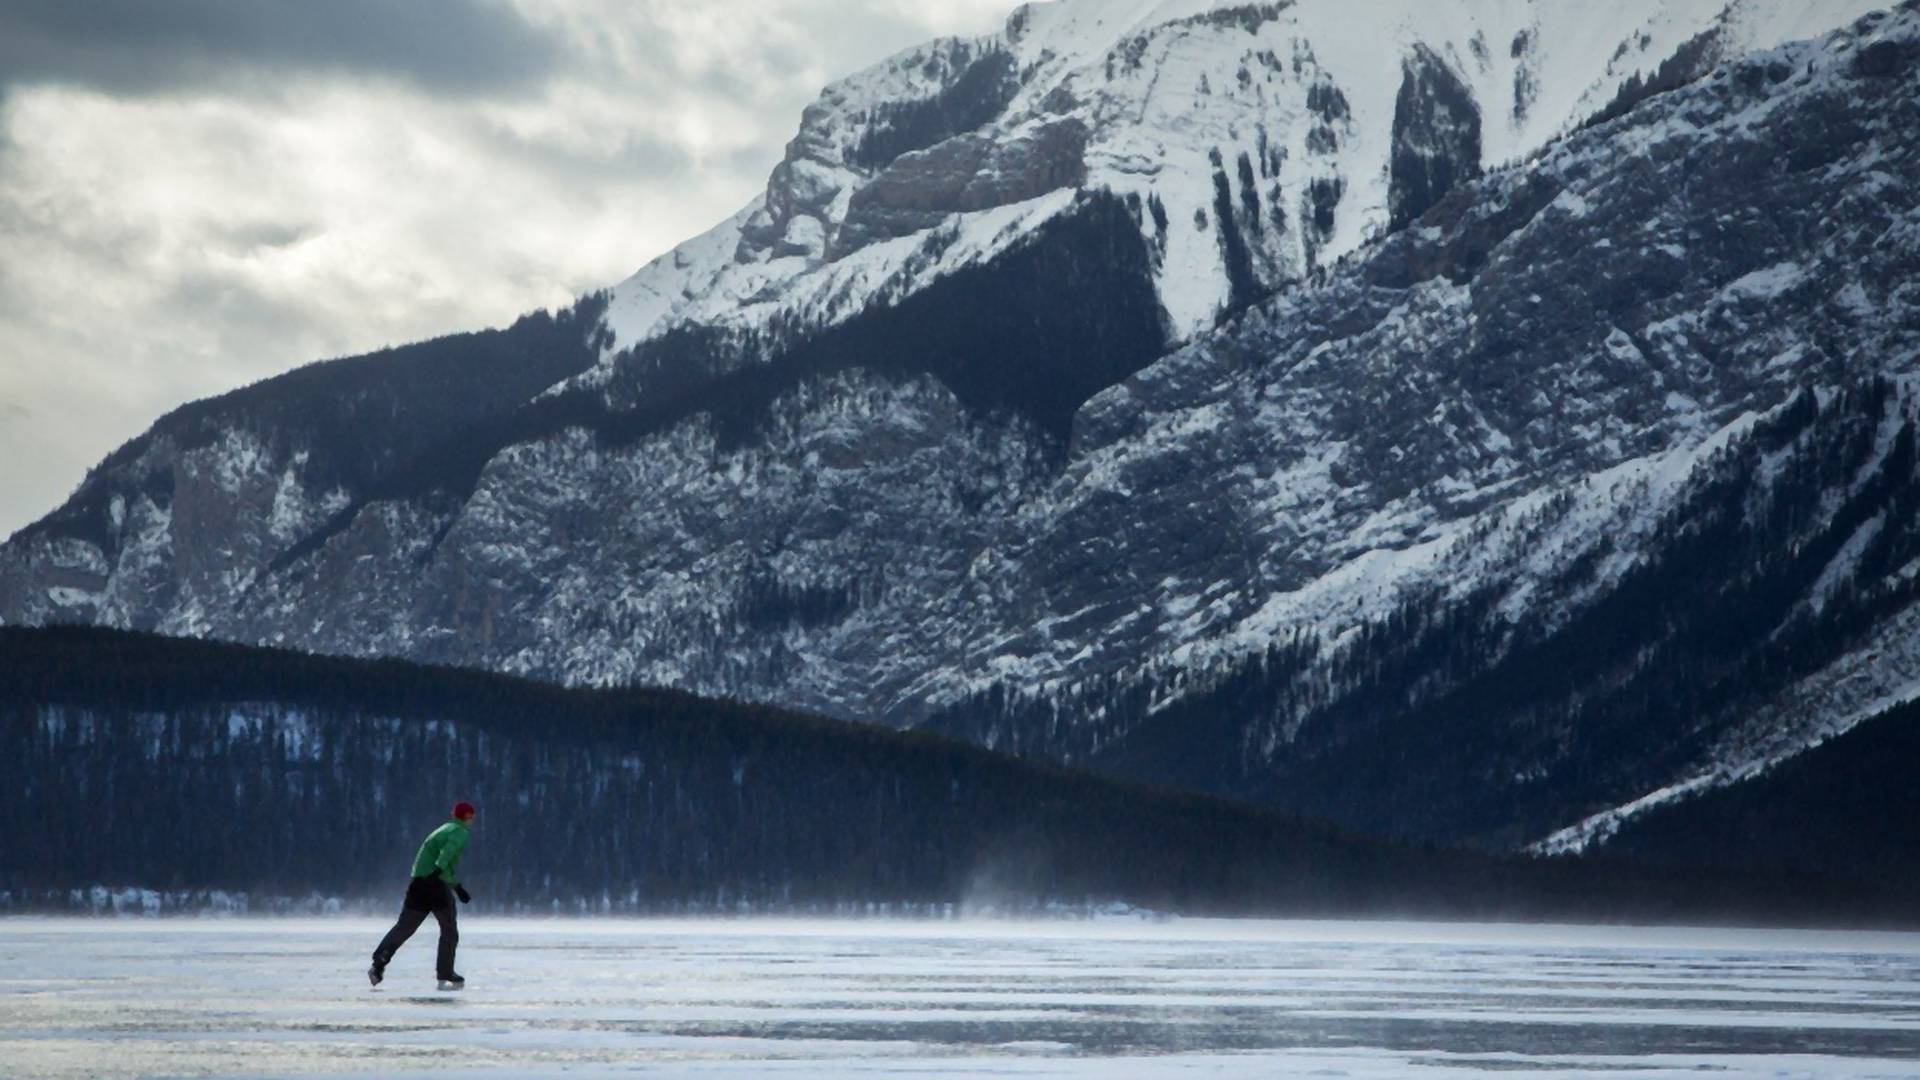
x=1263, y=140
x=1315, y=409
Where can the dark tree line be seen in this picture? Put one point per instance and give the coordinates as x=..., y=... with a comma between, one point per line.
x=1867, y=826
x=989, y=78
x=1693, y=59
x=134, y=760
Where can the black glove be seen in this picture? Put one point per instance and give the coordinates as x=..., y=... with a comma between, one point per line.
x=461, y=892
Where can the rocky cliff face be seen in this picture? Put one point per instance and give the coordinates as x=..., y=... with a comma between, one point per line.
x=1161, y=389
x=1259, y=141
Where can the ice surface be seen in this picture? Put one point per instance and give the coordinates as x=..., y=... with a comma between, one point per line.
x=225, y=998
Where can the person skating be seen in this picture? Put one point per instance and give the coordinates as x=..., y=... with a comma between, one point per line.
x=435, y=883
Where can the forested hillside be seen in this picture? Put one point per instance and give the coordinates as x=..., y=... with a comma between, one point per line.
x=1847, y=808
x=1723, y=634
x=133, y=761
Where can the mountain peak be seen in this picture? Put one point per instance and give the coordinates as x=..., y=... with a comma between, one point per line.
x=1257, y=142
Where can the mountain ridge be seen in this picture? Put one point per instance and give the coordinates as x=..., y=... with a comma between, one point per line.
x=1330, y=138
x=813, y=505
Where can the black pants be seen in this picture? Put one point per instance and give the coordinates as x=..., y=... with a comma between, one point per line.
x=425, y=896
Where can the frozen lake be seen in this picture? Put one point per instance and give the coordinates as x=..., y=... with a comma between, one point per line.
x=904, y=999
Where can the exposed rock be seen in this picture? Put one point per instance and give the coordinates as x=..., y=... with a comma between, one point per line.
x=969, y=172
x=957, y=473
x=1436, y=137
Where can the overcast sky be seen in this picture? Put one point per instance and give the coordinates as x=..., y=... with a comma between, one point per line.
x=198, y=194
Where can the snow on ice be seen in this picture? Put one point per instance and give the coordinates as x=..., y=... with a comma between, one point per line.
x=1112, y=997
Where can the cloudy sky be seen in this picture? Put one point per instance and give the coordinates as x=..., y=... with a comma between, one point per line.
x=198, y=194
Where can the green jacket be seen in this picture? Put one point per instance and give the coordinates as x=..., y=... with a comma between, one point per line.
x=441, y=852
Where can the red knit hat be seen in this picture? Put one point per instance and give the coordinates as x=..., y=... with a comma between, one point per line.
x=463, y=810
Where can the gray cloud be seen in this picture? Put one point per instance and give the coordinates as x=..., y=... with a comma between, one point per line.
x=251, y=237
x=139, y=47
x=627, y=156
x=195, y=194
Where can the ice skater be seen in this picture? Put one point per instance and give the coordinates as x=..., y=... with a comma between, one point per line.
x=435, y=883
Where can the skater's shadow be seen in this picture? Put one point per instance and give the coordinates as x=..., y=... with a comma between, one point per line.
x=446, y=1001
